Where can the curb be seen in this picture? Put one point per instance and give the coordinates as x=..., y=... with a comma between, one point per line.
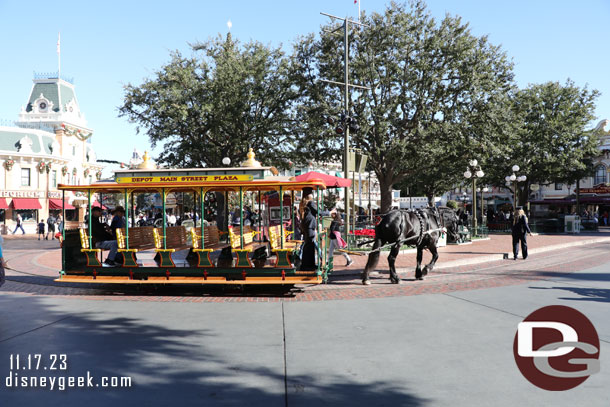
x=484, y=259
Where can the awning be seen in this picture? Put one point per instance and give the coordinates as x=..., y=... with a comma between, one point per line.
x=56, y=204
x=328, y=180
x=26, y=203
x=3, y=204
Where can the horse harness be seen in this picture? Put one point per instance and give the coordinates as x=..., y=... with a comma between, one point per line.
x=420, y=217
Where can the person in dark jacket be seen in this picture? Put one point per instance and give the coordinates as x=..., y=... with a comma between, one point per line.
x=519, y=231
x=308, y=213
x=102, y=236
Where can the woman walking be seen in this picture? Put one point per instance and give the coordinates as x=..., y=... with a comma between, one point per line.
x=335, y=238
x=519, y=231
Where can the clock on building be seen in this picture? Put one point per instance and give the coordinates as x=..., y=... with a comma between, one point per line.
x=42, y=105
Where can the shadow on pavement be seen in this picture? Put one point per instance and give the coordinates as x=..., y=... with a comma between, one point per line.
x=576, y=276
x=585, y=293
x=217, y=365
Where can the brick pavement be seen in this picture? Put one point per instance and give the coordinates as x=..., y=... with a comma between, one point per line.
x=464, y=267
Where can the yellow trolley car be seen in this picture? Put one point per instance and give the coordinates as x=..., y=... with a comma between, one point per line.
x=215, y=254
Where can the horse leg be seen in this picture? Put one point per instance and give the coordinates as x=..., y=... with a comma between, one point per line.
x=420, y=255
x=430, y=265
x=372, y=262
x=391, y=260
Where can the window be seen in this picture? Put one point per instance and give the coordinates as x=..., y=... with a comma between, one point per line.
x=26, y=214
x=600, y=175
x=558, y=186
x=25, y=177
x=73, y=150
x=54, y=178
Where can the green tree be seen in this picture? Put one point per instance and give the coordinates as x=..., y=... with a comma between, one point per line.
x=216, y=104
x=438, y=96
x=552, y=143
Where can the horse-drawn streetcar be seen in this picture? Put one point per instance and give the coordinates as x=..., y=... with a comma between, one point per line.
x=195, y=252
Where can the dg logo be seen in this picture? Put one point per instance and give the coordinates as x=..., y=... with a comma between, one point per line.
x=556, y=348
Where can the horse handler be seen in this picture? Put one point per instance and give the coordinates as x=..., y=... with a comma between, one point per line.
x=519, y=231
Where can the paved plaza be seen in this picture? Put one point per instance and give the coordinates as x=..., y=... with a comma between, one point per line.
x=444, y=341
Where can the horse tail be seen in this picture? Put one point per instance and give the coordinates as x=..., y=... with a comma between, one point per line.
x=371, y=263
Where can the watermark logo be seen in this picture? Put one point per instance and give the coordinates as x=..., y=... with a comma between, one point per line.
x=556, y=348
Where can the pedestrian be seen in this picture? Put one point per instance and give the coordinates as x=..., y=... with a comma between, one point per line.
x=50, y=227
x=19, y=224
x=308, y=212
x=519, y=231
x=336, y=241
x=60, y=223
x=41, y=229
x=604, y=218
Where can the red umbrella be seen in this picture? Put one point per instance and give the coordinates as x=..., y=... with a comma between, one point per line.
x=329, y=180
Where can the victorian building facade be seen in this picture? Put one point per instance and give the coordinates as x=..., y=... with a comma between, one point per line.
x=594, y=192
x=49, y=144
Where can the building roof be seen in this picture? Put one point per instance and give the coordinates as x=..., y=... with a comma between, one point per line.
x=58, y=92
x=11, y=137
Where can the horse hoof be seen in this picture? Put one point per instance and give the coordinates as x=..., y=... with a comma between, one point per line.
x=419, y=278
x=366, y=282
x=397, y=281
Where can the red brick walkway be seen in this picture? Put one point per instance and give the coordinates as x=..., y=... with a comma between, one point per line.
x=38, y=262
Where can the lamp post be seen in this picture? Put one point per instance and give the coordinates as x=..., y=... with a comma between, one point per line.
x=514, y=179
x=474, y=171
x=484, y=189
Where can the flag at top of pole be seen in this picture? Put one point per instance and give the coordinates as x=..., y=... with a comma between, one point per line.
x=358, y=2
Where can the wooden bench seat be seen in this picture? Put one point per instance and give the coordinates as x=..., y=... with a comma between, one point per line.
x=243, y=259
x=275, y=238
x=175, y=239
x=140, y=238
x=282, y=247
x=91, y=253
x=211, y=238
x=211, y=242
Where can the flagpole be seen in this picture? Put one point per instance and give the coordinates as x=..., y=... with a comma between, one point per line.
x=358, y=10
x=58, y=56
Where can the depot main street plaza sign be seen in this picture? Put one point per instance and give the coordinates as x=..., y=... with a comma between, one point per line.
x=182, y=179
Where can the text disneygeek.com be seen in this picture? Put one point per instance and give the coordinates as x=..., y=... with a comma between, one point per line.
x=21, y=367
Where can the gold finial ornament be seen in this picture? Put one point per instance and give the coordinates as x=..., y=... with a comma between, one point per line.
x=147, y=163
x=250, y=162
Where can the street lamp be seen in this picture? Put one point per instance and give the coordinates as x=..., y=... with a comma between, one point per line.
x=484, y=189
x=513, y=178
x=474, y=171
x=226, y=161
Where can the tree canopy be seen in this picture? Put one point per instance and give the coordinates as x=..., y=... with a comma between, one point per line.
x=551, y=143
x=216, y=104
x=438, y=95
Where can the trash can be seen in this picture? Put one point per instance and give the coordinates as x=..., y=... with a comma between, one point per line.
x=572, y=224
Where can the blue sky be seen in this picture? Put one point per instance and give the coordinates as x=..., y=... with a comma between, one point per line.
x=108, y=44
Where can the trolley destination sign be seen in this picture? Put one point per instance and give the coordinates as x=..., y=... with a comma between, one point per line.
x=181, y=179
